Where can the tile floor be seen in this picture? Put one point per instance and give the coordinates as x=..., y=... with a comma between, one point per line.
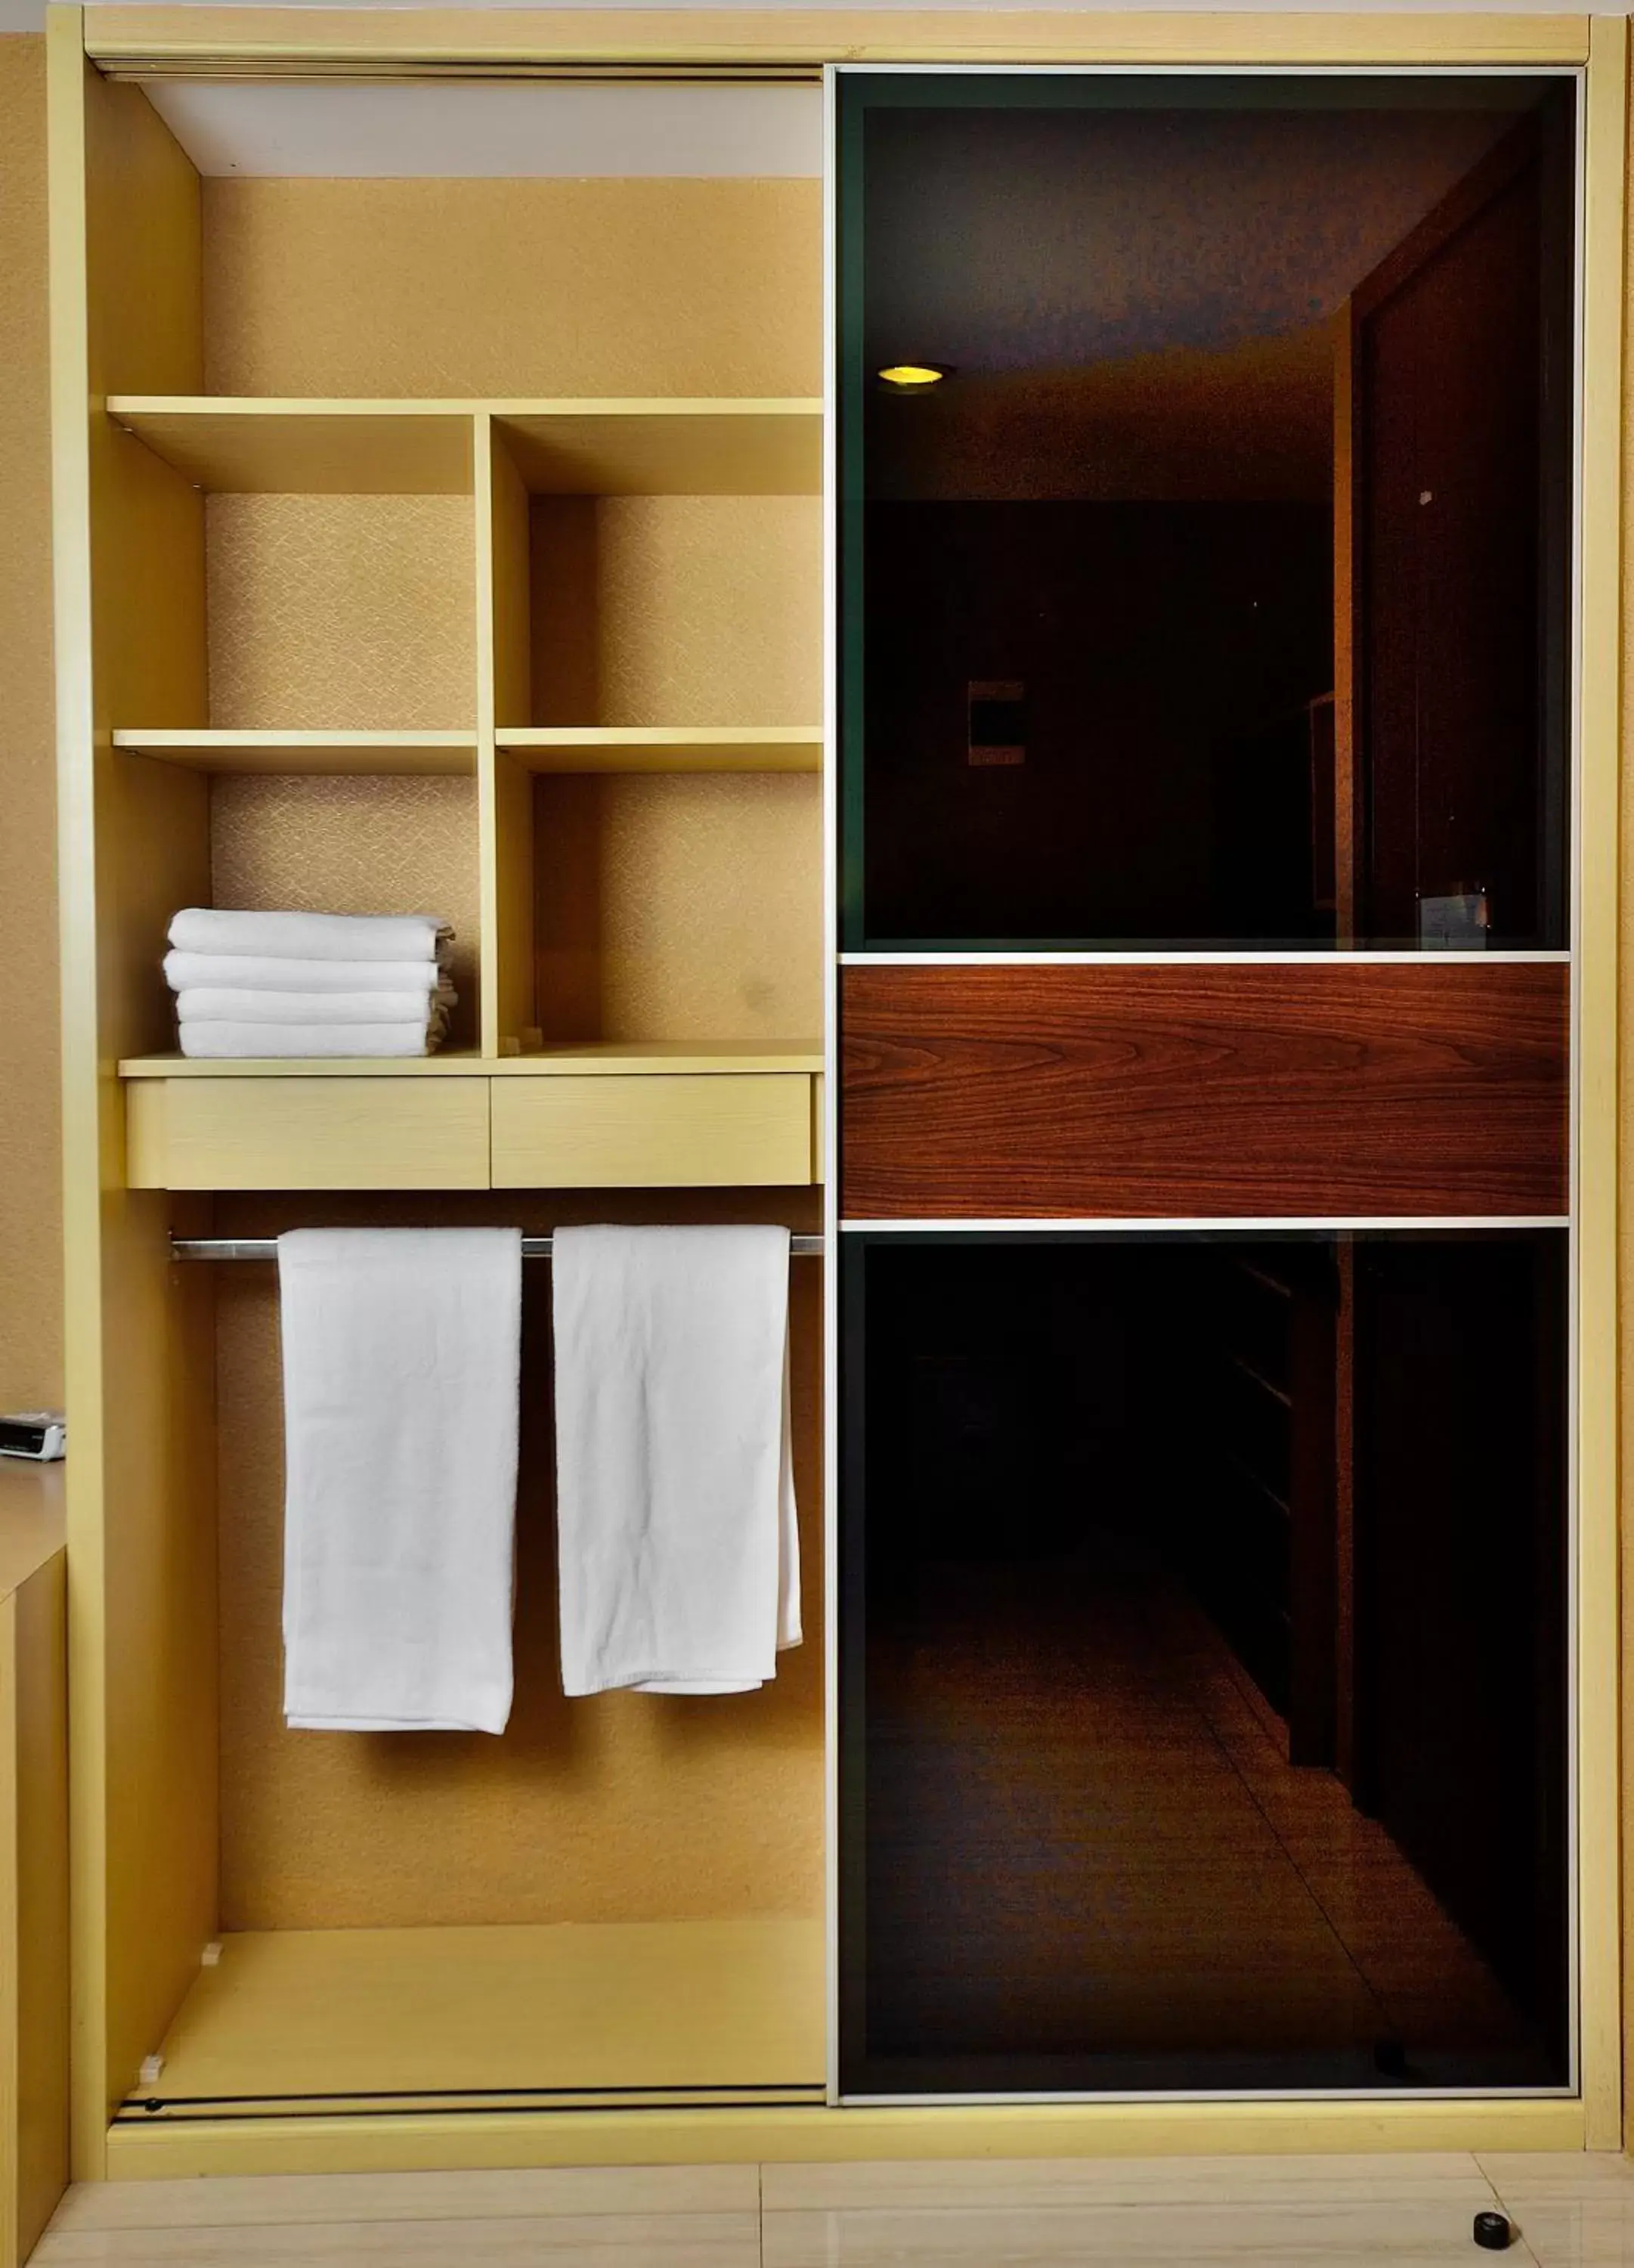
x=1397, y=2211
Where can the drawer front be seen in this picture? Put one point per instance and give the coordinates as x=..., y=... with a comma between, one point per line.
x=429, y=1133
x=730, y=1130
x=1257, y=1090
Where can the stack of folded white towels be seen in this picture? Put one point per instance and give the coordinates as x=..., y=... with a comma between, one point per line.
x=309, y=984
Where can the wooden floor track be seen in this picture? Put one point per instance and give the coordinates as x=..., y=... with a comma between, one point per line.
x=572, y=2016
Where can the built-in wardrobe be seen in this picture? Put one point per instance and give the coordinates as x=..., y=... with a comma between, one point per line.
x=948, y=714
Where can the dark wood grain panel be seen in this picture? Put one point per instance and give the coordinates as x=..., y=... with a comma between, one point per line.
x=1270, y=1089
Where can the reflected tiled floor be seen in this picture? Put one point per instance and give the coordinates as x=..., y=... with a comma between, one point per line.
x=1406, y=2211
x=1121, y=1853
x=1419, y=1966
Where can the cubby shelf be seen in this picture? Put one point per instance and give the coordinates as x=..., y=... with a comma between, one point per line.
x=729, y=447
x=589, y=1058
x=380, y=754
x=651, y=447
x=249, y=447
x=665, y=749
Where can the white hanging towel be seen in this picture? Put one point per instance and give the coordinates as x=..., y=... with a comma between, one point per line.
x=679, y=1558
x=400, y=1388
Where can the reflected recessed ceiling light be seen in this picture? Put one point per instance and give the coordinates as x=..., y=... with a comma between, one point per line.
x=912, y=376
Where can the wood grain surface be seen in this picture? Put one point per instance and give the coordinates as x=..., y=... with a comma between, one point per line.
x=1331, y=1091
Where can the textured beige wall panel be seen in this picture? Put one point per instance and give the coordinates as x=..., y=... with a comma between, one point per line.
x=525, y=288
x=687, y=907
x=677, y=610
x=342, y=614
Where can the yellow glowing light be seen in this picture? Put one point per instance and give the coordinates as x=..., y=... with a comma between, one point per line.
x=907, y=375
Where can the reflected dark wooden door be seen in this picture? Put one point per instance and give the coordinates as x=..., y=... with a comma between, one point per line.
x=1459, y=684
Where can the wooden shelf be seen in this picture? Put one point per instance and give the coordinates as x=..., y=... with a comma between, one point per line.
x=661, y=1059
x=666, y=448
x=453, y=1062
x=665, y=749
x=650, y=2010
x=312, y=448
x=375, y=754
x=287, y=448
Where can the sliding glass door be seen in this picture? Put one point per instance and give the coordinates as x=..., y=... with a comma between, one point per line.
x=1205, y=1160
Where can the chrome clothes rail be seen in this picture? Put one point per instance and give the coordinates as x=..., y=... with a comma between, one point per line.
x=265, y=1247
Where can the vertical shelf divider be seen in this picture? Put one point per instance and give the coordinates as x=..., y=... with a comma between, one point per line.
x=489, y=1024
x=505, y=802
x=513, y=783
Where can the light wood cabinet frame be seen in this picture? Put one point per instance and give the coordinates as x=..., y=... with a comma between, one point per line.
x=140, y=1345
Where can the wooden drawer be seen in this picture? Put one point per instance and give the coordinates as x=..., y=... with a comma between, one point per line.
x=730, y=1129
x=425, y=1133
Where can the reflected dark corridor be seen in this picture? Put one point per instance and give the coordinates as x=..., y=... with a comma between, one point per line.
x=1081, y=1859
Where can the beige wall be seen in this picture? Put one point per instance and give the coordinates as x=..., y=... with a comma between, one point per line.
x=31, y=1320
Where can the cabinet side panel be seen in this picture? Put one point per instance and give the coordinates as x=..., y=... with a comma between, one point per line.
x=146, y=304
x=133, y=846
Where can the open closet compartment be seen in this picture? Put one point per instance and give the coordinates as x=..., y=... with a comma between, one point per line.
x=476, y=585
x=658, y=699
x=316, y=404
x=616, y=1902
x=659, y=671
x=293, y=668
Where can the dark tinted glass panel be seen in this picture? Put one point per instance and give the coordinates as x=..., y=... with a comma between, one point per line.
x=1214, y=592
x=1203, y=1702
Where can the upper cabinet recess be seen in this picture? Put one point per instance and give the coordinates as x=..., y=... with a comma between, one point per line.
x=1206, y=506
x=461, y=551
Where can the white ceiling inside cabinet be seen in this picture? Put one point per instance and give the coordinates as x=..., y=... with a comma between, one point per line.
x=494, y=131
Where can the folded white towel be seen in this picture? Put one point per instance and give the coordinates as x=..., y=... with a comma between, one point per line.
x=400, y=1390
x=680, y=1557
x=311, y=936
x=206, y=1005
x=280, y=973
x=256, y=1041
